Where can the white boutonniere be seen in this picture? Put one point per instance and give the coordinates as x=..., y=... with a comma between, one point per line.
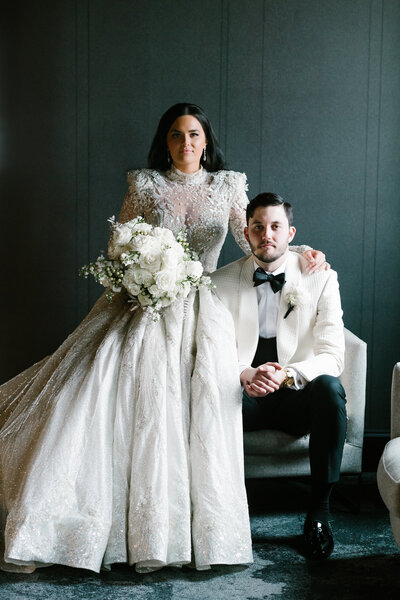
x=294, y=296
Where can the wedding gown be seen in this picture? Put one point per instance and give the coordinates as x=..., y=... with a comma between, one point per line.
x=125, y=445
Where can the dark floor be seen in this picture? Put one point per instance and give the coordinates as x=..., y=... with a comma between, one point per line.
x=365, y=564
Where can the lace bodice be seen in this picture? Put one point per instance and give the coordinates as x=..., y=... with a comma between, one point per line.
x=202, y=203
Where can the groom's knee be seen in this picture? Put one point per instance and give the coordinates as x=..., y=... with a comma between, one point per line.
x=328, y=394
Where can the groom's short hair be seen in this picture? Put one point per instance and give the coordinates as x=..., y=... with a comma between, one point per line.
x=269, y=199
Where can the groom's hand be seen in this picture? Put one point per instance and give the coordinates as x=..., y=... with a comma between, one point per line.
x=263, y=380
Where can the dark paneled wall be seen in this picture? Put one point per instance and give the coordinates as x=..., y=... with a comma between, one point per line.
x=304, y=95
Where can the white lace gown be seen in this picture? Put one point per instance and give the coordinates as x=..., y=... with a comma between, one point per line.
x=125, y=445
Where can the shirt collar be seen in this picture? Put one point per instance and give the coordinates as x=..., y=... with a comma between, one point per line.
x=280, y=269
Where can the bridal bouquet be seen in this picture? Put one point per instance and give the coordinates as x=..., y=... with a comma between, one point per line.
x=150, y=264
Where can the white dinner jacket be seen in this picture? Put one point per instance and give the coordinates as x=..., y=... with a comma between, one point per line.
x=310, y=338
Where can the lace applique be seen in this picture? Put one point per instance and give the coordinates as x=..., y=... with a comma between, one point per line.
x=202, y=203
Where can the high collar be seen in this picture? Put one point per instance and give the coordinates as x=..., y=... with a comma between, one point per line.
x=195, y=178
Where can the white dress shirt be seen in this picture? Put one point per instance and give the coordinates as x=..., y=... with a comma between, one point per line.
x=268, y=309
x=268, y=305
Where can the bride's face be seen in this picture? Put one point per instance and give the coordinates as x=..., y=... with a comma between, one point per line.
x=186, y=141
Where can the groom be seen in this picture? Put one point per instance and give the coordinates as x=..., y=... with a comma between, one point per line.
x=290, y=342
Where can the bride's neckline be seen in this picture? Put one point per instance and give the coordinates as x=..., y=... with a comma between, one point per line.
x=175, y=174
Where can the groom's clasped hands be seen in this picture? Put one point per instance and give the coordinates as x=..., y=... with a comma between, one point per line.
x=263, y=380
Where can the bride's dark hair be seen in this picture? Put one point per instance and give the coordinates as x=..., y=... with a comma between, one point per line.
x=158, y=155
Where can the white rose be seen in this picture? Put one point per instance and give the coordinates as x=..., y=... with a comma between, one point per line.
x=193, y=268
x=140, y=276
x=133, y=289
x=172, y=256
x=165, y=280
x=180, y=271
x=140, y=227
x=139, y=241
x=119, y=241
x=121, y=234
x=150, y=256
x=144, y=300
x=155, y=291
x=130, y=284
x=164, y=235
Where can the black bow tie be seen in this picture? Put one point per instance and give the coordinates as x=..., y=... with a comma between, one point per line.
x=276, y=281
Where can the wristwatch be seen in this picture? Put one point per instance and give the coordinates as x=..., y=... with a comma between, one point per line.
x=288, y=381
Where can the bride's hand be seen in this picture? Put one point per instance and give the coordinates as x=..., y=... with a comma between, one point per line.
x=316, y=261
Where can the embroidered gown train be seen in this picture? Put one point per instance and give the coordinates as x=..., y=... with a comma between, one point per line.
x=125, y=445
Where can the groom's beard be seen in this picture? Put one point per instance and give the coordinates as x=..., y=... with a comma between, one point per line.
x=268, y=254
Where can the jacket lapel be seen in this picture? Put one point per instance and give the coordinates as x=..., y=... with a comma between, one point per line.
x=247, y=323
x=287, y=329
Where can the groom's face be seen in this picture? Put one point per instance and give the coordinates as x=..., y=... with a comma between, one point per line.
x=269, y=235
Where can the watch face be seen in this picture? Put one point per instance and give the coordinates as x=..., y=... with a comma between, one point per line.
x=288, y=381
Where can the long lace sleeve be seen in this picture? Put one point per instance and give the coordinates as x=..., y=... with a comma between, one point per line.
x=135, y=197
x=237, y=216
x=128, y=209
x=300, y=249
x=132, y=205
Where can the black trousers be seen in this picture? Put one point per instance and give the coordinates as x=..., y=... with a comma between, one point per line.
x=319, y=409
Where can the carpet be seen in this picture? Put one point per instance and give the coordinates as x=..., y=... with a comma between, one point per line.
x=365, y=563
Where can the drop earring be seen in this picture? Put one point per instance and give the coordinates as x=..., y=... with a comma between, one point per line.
x=204, y=154
x=168, y=157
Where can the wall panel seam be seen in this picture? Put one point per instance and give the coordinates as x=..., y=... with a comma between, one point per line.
x=261, y=170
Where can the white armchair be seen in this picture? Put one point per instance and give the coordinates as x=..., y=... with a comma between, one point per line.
x=388, y=475
x=270, y=453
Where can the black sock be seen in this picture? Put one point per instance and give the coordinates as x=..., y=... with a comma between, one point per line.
x=319, y=510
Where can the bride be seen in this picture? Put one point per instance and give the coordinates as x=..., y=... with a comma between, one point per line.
x=125, y=445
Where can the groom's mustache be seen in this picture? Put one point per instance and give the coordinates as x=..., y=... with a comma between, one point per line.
x=265, y=244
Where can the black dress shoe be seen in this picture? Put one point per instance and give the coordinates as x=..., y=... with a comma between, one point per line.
x=318, y=539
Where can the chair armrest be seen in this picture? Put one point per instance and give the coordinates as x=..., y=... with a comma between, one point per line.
x=395, y=402
x=354, y=379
